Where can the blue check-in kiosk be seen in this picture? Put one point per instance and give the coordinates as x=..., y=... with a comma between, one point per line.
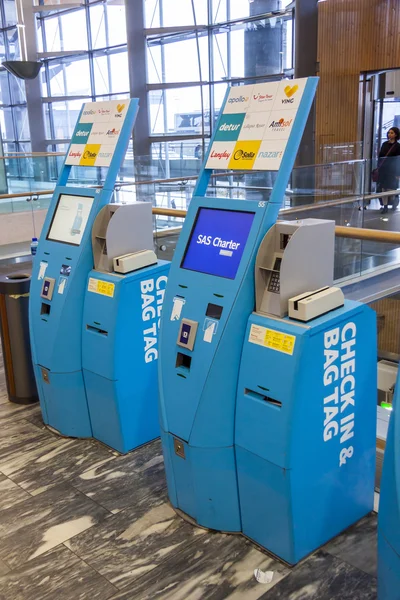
x=248, y=397
x=121, y=318
x=63, y=261
x=389, y=511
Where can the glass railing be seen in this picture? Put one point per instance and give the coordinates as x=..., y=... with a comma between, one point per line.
x=338, y=191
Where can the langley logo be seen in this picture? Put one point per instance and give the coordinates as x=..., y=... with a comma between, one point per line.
x=340, y=381
x=243, y=155
x=75, y=154
x=220, y=155
x=239, y=99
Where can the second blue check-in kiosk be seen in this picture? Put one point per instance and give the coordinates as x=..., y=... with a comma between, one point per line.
x=268, y=420
x=96, y=296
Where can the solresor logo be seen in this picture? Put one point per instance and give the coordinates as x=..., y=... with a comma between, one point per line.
x=220, y=155
x=243, y=155
x=89, y=154
x=239, y=99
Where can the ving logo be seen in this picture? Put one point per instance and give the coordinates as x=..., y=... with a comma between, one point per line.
x=229, y=127
x=290, y=91
x=120, y=107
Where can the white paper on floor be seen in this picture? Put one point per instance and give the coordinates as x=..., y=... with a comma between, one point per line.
x=263, y=576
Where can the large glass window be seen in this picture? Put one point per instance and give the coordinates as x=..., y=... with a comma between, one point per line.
x=94, y=66
x=13, y=113
x=194, y=53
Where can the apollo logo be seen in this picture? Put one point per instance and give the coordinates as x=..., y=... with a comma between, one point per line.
x=243, y=155
x=220, y=155
x=281, y=124
x=238, y=100
x=87, y=113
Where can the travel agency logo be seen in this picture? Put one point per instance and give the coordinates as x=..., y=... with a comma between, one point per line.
x=238, y=99
x=244, y=155
x=119, y=111
x=81, y=133
x=74, y=154
x=270, y=154
x=263, y=96
x=112, y=134
x=290, y=91
x=280, y=125
x=89, y=155
x=229, y=127
x=220, y=155
x=254, y=126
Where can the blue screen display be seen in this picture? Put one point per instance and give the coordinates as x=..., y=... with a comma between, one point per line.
x=217, y=242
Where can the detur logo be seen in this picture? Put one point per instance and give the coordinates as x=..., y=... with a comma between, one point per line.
x=290, y=92
x=243, y=155
x=239, y=99
x=82, y=133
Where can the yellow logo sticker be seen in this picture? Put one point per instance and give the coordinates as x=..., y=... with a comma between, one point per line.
x=120, y=107
x=89, y=155
x=290, y=91
x=244, y=155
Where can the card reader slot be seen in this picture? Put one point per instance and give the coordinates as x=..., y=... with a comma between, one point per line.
x=262, y=398
x=308, y=295
x=97, y=330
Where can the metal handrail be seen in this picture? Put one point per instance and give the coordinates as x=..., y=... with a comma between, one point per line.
x=358, y=233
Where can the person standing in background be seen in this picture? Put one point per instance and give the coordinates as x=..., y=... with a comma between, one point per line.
x=389, y=168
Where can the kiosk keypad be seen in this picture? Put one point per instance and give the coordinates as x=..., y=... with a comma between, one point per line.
x=274, y=283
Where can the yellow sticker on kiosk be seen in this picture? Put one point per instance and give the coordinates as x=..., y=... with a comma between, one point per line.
x=275, y=340
x=104, y=288
x=89, y=155
x=244, y=155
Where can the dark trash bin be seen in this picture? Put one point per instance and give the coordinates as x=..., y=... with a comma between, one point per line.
x=14, y=330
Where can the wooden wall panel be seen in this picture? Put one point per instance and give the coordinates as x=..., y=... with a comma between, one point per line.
x=354, y=36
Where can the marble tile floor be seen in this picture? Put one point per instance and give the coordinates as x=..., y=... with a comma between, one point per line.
x=80, y=522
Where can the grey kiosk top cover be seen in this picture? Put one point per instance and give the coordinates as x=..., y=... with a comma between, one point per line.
x=294, y=257
x=121, y=229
